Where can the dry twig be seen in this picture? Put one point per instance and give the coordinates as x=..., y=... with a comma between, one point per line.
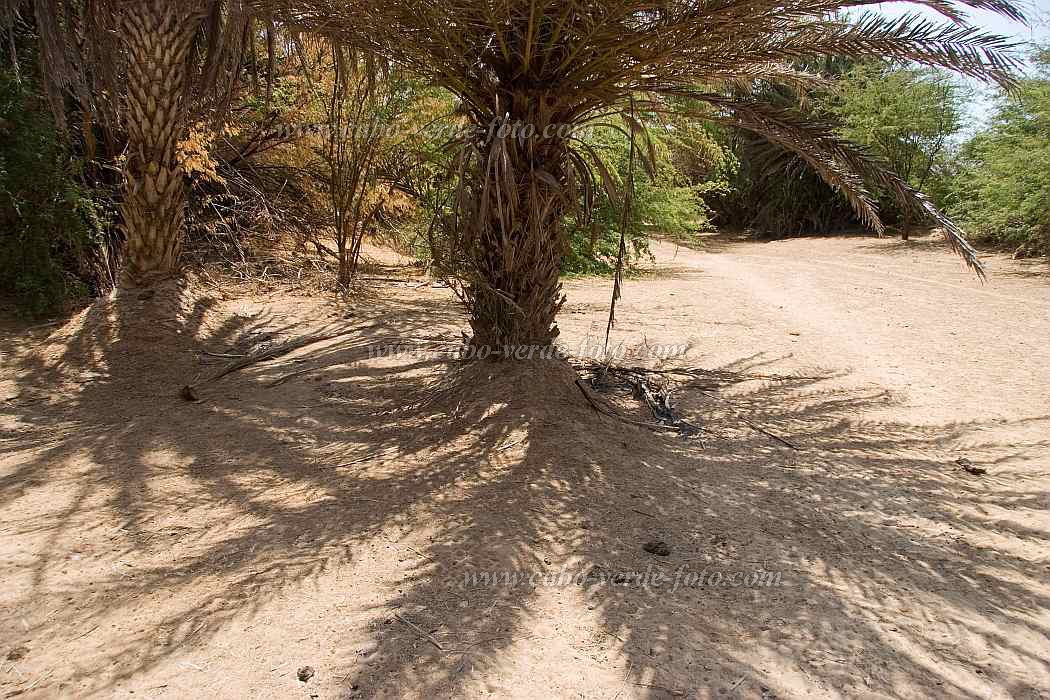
x=420, y=632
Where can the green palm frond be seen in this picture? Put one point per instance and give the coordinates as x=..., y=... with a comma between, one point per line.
x=952, y=8
x=844, y=165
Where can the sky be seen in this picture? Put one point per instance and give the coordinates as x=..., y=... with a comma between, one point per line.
x=1038, y=12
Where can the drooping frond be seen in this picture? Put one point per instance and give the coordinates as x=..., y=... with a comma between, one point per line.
x=843, y=165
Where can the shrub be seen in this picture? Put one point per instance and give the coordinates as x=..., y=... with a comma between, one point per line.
x=49, y=222
x=1001, y=193
x=688, y=166
x=774, y=194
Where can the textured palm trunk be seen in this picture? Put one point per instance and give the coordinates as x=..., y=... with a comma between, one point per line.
x=157, y=35
x=521, y=242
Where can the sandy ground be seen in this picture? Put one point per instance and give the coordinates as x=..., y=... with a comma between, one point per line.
x=327, y=509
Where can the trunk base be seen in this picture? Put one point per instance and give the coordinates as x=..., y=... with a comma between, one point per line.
x=516, y=328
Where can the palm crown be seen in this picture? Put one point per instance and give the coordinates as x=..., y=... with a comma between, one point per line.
x=578, y=59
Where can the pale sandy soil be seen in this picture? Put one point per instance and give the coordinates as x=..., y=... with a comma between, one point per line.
x=324, y=508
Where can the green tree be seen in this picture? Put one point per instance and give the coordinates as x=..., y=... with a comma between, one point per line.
x=906, y=115
x=773, y=192
x=1002, y=190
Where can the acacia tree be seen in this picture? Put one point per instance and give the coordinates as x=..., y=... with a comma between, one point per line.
x=549, y=67
x=906, y=115
x=135, y=71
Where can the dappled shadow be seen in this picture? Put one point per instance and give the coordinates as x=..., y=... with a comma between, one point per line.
x=895, y=245
x=176, y=522
x=836, y=519
x=1030, y=268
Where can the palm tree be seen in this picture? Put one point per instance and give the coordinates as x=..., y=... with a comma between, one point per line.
x=549, y=67
x=137, y=70
x=157, y=36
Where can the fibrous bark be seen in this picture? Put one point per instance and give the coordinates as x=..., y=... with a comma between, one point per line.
x=516, y=237
x=157, y=35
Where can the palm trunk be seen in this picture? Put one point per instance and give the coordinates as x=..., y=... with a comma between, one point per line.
x=517, y=293
x=157, y=35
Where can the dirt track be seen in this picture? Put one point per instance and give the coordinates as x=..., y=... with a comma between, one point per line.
x=328, y=518
x=904, y=317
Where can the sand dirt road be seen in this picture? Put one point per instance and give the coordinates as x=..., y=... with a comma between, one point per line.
x=327, y=509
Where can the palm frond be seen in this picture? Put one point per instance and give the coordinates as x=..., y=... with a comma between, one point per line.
x=952, y=9
x=843, y=165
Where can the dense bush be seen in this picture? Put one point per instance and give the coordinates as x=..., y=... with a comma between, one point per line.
x=1001, y=193
x=772, y=192
x=49, y=222
x=678, y=165
x=905, y=116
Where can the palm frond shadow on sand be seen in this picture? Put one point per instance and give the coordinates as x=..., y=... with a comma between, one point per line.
x=191, y=520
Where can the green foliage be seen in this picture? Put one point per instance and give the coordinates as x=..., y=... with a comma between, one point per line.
x=1001, y=193
x=774, y=194
x=772, y=191
x=48, y=221
x=907, y=116
x=669, y=198
x=420, y=173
